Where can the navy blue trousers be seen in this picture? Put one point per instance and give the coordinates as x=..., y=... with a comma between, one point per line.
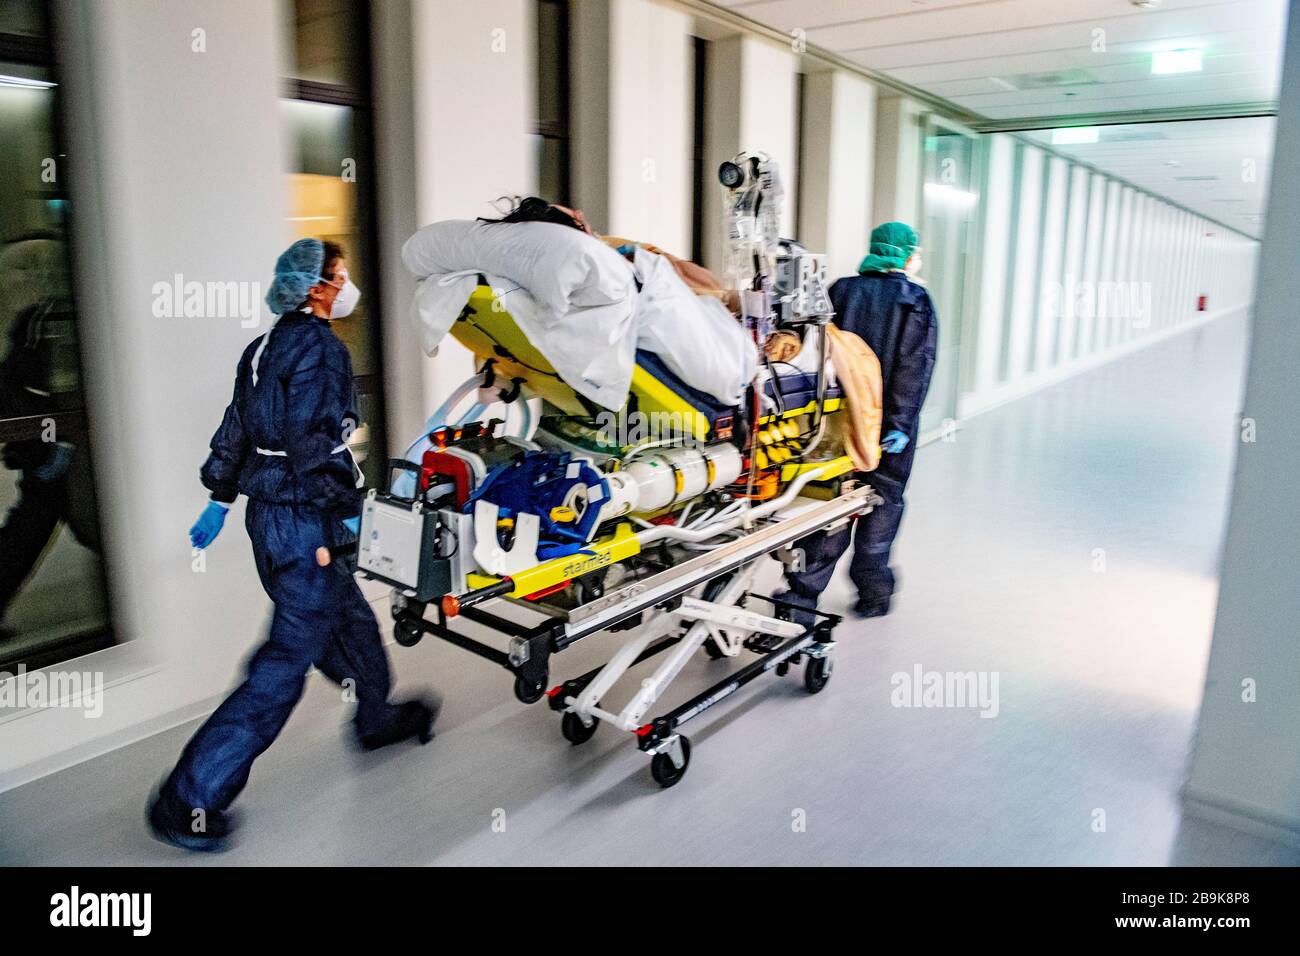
x=321, y=619
x=872, y=537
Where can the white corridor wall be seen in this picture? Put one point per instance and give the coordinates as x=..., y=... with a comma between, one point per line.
x=1076, y=267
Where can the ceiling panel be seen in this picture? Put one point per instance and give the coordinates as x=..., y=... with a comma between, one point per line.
x=978, y=53
x=1215, y=167
x=1046, y=60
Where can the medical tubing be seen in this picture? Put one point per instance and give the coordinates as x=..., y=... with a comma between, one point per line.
x=715, y=527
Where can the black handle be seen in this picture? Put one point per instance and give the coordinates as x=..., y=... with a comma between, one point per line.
x=453, y=604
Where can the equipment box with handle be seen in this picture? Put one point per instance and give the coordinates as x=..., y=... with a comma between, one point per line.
x=410, y=545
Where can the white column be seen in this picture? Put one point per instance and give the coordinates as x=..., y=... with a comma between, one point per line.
x=750, y=106
x=993, y=278
x=1075, y=243
x=1051, y=301
x=632, y=103
x=900, y=163
x=473, y=140
x=1092, y=261
x=838, y=136
x=1026, y=266
x=1246, y=763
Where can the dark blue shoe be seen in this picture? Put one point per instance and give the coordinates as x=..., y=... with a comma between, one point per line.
x=172, y=822
x=414, y=720
x=865, y=608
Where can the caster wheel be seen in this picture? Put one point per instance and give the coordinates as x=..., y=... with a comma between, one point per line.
x=402, y=604
x=816, y=673
x=407, y=634
x=527, y=692
x=575, y=732
x=713, y=650
x=667, y=773
x=782, y=669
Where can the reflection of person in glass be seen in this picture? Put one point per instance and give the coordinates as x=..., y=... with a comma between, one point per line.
x=283, y=444
x=37, y=375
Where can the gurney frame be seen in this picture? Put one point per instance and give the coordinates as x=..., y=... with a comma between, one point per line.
x=719, y=621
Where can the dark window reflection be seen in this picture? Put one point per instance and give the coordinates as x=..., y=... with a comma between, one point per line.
x=331, y=182
x=51, y=587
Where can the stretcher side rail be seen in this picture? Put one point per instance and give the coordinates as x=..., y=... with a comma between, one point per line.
x=638, y=596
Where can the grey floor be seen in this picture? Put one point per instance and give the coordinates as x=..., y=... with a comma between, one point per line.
x=1067, y=542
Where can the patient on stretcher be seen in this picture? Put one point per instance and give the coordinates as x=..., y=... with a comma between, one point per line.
x=601, y=311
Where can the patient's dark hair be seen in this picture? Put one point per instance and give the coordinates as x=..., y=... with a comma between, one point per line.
x=535, y=209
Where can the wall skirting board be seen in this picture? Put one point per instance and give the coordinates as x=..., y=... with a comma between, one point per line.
x=1256, y=821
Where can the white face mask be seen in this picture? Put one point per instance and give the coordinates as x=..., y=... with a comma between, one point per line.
x=913, y=265
x=346, y=300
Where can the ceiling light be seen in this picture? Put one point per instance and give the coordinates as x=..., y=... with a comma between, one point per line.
x=1073, y=135
x=25, y=82
x=1164, y=62
x=943, y=192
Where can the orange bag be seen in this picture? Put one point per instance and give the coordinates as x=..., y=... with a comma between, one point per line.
x=858, y=371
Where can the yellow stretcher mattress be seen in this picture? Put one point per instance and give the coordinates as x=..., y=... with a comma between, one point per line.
x=488, y=330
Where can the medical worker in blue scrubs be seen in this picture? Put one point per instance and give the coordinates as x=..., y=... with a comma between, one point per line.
x=283, y=444
x=893, y=314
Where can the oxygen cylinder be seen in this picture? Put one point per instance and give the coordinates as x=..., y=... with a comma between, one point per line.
x=658, y=479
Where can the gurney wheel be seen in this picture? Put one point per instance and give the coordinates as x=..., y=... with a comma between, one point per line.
x=667, y=773
x=817, y=673
x=529, y=693
x=406, y=633
x=575, y=732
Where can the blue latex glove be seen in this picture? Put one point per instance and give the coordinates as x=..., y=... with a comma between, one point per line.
x=208, y=526
x=353, y=524
x=894, y=442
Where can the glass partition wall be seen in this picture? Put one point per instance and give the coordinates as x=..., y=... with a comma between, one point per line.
x=52, y=595
x=949, y=204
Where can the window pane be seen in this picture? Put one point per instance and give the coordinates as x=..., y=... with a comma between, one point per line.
x=23, y=17
x=51, y=587
x=324, y=198
x=323, y=203
x=325, y=36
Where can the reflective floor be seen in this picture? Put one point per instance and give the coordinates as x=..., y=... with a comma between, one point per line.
x=1066, y=543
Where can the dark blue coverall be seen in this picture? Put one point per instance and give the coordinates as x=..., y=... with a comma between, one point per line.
x=895, y=317
x=302, y=402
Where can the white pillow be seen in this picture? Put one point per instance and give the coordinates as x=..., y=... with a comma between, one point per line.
x=577, y=308
x=559, y=266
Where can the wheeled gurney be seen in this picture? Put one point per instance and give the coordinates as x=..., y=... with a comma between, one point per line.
x=532, y=517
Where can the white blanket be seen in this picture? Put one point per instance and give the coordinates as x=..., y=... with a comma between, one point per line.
x=695, y=335
x=576, y=299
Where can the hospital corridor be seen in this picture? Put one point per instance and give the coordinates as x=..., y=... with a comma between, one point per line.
x=560, y=442
x=1101, y=674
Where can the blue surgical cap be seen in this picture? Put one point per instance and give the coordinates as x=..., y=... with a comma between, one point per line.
x=296, y=271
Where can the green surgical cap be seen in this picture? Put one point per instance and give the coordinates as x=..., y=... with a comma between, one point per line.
x=891, y=244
